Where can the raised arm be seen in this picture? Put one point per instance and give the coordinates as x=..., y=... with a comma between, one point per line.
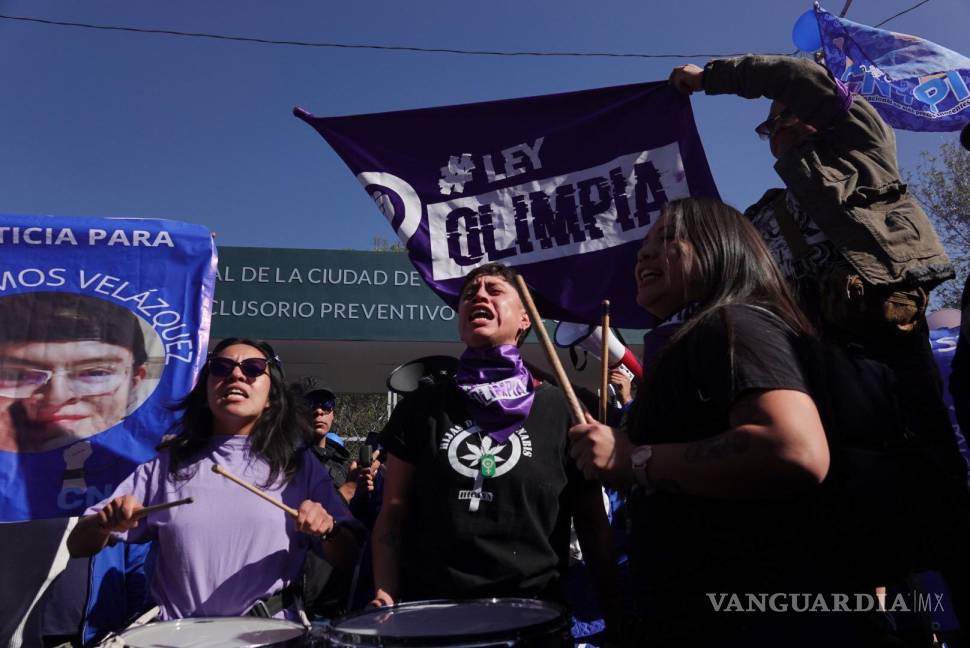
x=802, y=85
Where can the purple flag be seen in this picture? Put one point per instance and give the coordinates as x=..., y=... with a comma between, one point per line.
x=563, y=187
x=913, y=83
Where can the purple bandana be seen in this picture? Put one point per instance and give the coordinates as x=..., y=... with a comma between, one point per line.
x=497, y=387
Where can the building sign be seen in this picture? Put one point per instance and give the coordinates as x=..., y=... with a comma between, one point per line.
x=284, y=294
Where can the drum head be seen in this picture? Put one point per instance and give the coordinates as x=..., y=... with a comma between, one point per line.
x=451, y=623
x=226, y=632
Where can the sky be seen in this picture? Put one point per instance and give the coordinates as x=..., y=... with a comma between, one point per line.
x=115, y=124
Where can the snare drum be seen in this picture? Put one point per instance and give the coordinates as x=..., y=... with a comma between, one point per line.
x=478, y=623
x=224, y=632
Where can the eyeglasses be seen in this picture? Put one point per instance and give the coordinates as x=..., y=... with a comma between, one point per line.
x=325, y=405
x=770, y=126
x=17, y=381
x=251, y=367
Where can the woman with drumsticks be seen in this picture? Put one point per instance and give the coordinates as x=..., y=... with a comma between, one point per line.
x=229, y=550
x=724, y=450
x=479, y=488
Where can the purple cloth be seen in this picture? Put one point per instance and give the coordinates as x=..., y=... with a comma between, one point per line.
x=220, y=554
x=498, y=389
x=563, y=187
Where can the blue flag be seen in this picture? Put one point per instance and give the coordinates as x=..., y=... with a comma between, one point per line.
x=103, y=325
x=913, y=83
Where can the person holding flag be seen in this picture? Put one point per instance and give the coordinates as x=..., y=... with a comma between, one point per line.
x=856, y=246
x=859, y=251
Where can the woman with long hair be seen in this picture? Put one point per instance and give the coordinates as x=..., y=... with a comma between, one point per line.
x=724, y=448
x=229, y=550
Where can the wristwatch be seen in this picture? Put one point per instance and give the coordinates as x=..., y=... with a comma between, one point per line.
x=640, y=458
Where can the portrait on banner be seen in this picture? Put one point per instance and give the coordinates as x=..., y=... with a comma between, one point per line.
x=103, y=326
x=71, y=366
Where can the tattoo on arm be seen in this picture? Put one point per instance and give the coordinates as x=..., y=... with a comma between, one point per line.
x=717, y=448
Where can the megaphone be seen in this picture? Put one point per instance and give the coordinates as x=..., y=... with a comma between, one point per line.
x=589, y=337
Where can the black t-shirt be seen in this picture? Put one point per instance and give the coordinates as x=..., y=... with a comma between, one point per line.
x=468, y=536
x=685, y=547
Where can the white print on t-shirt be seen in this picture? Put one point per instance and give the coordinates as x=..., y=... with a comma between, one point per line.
x=466, y=445
x=488, y=393
x=470, y=495
x=821, y=249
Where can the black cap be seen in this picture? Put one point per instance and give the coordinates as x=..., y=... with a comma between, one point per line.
x=313, y=387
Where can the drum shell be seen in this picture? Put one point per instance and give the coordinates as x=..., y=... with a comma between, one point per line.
x=551, y=633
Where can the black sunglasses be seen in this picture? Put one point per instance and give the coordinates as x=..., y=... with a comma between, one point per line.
x=770, y=126
x=325, y=405
x=250, y=367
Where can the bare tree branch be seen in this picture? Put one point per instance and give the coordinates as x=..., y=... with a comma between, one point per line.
x=942, y=184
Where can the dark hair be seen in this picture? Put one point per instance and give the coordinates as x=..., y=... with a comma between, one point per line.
x=505, y=273
x=281, y=431
x=731, y=262
x=731, y=265
x=70, y=317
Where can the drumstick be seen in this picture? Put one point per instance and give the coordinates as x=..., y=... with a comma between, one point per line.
x=154, y=508
x=216, y=468
x=605, y=355
x=574, y=407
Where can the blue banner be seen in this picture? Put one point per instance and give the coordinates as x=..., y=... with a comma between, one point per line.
x=913, y=83
x=943, y=341
x=103, y=325
x=563, y=187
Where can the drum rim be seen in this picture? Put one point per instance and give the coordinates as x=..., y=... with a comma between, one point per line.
x=559, y=622
x=279, y=623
